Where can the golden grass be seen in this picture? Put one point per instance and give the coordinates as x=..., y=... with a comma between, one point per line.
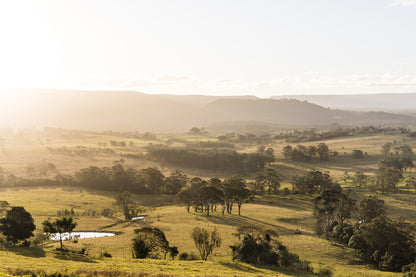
x=286, y=214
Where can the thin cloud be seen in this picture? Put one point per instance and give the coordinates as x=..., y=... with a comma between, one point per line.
x=403, y=3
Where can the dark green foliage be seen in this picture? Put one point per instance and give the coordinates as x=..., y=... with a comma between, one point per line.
x=260, y=247
x=173, y=252
x=360, y=178
x=323, y=151
x=206, y=196
x=209, y=159
x=325, y=208
x=387, y=243
x=312, y=182
x=389, y=174
x=175, y=182
x=343, y=232
x=151, y=242
x=370, y=207
x=268, y=178
x=357, y=154
x=410, y=269
x=185, y=256
x=17, y=225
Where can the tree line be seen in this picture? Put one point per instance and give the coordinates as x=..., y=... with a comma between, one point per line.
x=215, y=159
x=302, y=153
x=387, y=243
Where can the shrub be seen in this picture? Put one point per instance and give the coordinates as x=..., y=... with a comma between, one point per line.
x=184, y=256
x=325, y=271
x=304, y=266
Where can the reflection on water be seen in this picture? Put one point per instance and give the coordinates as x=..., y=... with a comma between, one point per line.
x=81, y=235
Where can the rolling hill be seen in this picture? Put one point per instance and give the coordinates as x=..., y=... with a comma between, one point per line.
x=135, y=111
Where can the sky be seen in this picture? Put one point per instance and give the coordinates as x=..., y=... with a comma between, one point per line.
x=225, y=47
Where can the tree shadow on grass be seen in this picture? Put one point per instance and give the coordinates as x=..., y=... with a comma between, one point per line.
x=236, y=220
x=246, y=269
x=32, y=252
x=239, y=267
x=286, y=202
x=62, y=255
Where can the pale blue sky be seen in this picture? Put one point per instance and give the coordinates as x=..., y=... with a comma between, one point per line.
x=222, y=47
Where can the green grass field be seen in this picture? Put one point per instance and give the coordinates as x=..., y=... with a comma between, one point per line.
x=284, y=213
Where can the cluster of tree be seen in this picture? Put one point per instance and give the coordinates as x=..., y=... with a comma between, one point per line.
x=259, y=246
x=121, y=143
x=151, y=242
x=79, y=150
x=18, y=225
x=206, y=196
x=212, y=144
x=261, y=139
x=403, y=155
x=313, y=134
x=268, y=180
x=378, y=239
x=390, y=169
x=11, y=180
x=210, y=158
x=115, y=178
x=42, y=170
x=312, y=182
x=303, y=153
x=149, y=180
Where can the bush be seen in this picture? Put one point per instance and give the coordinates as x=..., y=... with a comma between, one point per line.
x=325, y=271
x=107, y=212
x=106, y=255
x=184, y=256
x=304, y=266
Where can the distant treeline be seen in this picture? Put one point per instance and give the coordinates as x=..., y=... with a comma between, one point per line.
x=302, y=153
x=210, y=158
x=79, y=150
x=314, y=134
x=114, y=178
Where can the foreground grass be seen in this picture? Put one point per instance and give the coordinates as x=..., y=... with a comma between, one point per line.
x=47, y=261
x=285, y=214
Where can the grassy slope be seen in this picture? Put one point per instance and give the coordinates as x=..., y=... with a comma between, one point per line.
x=284, y=213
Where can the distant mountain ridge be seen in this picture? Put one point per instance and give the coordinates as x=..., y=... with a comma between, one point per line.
x=388, y=102
x=135, y=111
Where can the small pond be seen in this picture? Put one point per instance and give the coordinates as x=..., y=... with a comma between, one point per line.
x=82, y=235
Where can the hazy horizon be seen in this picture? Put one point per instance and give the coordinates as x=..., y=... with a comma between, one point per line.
x=265, y=48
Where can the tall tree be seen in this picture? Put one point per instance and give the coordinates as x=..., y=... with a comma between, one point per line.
x=389, y=174
x=323, y=151
x=59, y=227
x=360, y=178
x=325, y=208
x=128, y=205
x=370, y=207
x=205, y=241
x=175, y=181
x=150, y=242
x=154, y=179
x=386, y=149
x=17, y=225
